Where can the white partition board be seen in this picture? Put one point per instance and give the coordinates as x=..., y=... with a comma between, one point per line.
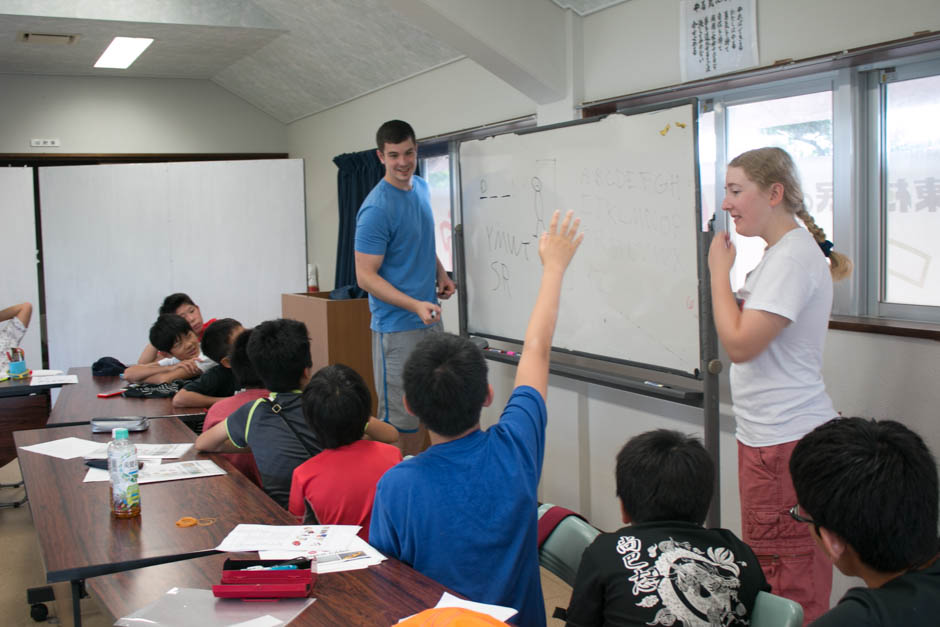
x=20, y=275
x=631, y=293
x=117, y=239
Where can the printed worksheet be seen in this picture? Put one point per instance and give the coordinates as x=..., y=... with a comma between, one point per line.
x=357, y=554
x=299, y=539
x=145, y=451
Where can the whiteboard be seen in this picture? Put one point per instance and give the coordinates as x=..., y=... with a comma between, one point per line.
x=117, y=239
x=20, y=276
x=631, y=292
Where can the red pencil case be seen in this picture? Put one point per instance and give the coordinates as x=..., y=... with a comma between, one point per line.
x=239, y=583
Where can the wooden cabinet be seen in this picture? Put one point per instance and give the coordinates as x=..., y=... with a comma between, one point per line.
x=339, y=331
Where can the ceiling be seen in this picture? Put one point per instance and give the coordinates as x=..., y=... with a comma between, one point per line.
x=289, y=58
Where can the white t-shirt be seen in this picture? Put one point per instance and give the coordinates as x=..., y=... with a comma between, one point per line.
x=202, y=361
x=779, y=396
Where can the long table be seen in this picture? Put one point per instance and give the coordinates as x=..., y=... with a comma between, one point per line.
x=22, y=406
x=79, y=402
x=24, y=387
x=79, y=539
x=378, y=595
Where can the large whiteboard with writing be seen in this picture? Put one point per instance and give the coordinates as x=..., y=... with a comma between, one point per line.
x=631, y=292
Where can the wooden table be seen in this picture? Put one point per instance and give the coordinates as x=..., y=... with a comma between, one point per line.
x=22, y=406
x=78, y=537
x=131, y=563
x=80, y=403
x=378, y=595
x=24, y=387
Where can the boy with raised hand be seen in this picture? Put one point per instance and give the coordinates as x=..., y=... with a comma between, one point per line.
x=868, y=490
x=464, y=511
x=219, y=381
x=665, y=568
x=171, y=334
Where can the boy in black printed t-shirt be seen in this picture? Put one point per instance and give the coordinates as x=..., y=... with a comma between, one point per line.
x=665, y=568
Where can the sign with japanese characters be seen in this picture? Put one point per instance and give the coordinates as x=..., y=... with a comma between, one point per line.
x=716, y=37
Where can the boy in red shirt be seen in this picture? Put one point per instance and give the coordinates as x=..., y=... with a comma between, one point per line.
x=337, y=486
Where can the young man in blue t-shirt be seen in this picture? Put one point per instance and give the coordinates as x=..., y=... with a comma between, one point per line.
x=464, y=512
x=397, y=264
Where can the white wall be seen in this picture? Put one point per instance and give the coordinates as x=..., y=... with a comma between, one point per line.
x=628, y=48
x=634, y=46
x=131, y=115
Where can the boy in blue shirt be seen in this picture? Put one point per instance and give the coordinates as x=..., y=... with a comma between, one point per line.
x=464, y=511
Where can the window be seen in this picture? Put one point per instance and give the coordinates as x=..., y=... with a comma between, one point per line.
x=706, y=165
x=436, y=170
x=867, y=146
x=910, y=196
x=801, y=125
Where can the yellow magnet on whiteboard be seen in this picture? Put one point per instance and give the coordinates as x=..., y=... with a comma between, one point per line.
x=680, y=124
x=664, y=131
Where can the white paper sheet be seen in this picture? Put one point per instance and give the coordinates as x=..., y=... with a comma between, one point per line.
x=357, y=554
x=499, y=612
x=289, y=538
x=62, y=379
x=64, y=448
x=145, y=451
x=155, y=472
x=190, y=607
x=100, y=474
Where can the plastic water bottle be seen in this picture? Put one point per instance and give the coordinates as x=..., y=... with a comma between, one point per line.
x=122, y=466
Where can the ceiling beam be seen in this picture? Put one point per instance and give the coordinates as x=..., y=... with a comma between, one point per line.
x=523, y=42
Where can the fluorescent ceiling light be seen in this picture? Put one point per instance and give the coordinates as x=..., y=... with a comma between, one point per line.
x=122, y=52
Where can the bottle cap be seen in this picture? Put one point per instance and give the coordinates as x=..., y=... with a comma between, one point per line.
x=119, y=433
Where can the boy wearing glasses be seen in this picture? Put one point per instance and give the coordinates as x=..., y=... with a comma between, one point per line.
x=869, y=490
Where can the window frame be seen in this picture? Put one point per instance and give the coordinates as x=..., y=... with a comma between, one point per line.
x=875, y=80
x=859, y=197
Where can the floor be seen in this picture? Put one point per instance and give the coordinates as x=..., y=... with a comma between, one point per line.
x=22, y=568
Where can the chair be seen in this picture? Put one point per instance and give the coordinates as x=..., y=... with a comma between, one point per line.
x=561, y=552
x=771, y=610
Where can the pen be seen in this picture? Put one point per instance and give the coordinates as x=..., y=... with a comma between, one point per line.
x=110, y=394
x=655, y=385
x=502, y=352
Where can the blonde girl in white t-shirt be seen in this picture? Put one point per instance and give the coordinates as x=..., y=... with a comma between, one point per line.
x=775, y=339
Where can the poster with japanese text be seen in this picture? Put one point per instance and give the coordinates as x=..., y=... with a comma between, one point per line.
x=716, y=37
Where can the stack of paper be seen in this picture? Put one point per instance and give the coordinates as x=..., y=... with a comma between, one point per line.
x=334, y=547
x=153, y=471
x=144, y=451
x=69, y=448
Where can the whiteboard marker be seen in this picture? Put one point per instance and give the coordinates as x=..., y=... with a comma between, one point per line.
x=654, y=384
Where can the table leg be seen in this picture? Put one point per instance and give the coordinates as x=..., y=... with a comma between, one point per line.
x=77, y=602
